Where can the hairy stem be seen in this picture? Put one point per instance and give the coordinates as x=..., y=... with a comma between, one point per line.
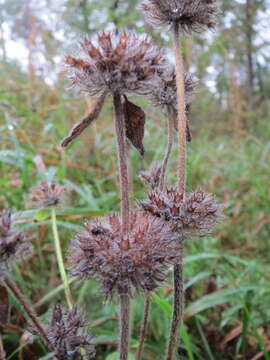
x=60, y=261
x=178, y=307
x=2, y=351
x=124, y=327
x=170, y=121
x=120, y=130
x=32, y=315
x=182, y=126
x=181, y=106
x=143, y=327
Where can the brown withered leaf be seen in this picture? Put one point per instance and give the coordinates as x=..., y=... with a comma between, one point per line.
x=135, y=121
x=4, y=306
x=188, y=131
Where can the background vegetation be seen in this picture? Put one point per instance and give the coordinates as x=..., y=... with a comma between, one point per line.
x=227, y=312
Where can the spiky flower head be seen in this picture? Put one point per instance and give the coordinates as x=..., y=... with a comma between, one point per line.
x=14, y=244
x=118, y=61
x=190, y=15
x=66, y=334
x=195, y=215
x=151, y=177
x=45, y=194
x=163, y=92
x=123, y=264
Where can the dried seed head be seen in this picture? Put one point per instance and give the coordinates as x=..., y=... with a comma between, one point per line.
x=196, y=215
x=117, y=62
x=46, y=195
x=191, y=15
x=152, y=176
x=14, y=244
x=124, y=263
x=163, y=91
x=67, y=335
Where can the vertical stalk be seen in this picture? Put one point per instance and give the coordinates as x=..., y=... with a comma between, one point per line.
x=170, y=122
x=2, y=351
x=143, y=328
x=60, y=261
x=124, y=327
x=20, y=298
x=182, y=125
x=120, y=130
x=181, y=109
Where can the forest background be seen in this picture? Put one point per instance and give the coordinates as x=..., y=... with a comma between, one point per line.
x=227, y=312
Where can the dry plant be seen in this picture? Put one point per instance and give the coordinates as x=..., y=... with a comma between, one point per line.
x=128, y=254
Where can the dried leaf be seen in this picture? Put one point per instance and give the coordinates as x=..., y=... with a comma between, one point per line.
x=135, y=121
x=85, y=122
x=4, y=306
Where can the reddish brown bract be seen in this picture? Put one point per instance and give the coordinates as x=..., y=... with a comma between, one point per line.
x=122, y=264
x=190, y=15
x=46, y=195
x=14, y=244
x=196, y=215
x=117, y=62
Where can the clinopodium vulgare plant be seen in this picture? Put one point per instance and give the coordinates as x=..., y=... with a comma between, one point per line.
x=182, y=17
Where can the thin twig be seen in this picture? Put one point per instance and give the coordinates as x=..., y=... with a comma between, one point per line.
x=143, y=327
x=170, y=121
x=124, y=327
x=60, y=261
x=32, y=315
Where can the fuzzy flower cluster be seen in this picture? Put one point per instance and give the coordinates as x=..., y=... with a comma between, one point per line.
x=118, y=61
x=123, y=264
x=164, y=91
x=14, y=244
x=190, y=15
x=67, y=336
x=46, y=195
x=196, y=215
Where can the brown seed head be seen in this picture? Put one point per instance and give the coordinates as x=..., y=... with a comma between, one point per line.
x=67, y=335
x=163, y=92
x=14, y=244
x=46, y=195
x=117, y=62
x=191, y=15
x=124, y=263
x=152, y=176
x=196, y=215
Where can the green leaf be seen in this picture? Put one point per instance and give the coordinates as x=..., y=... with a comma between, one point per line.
x=115, y=356
x=42, y=214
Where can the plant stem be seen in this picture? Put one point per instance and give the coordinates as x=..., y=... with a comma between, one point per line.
x=20, y=298
x=170, y=122
x=2, y=351
x=143, y=327
x=181, y=112
x=177, y=308
x=182, y=125
x=60, y=260
x=124, y=327
x=120, y=130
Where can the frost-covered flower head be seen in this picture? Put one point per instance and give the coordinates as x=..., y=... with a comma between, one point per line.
x=123, y=264
x=118, y=61
x=14, y=244
x=196, y=215
x=190, y=15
